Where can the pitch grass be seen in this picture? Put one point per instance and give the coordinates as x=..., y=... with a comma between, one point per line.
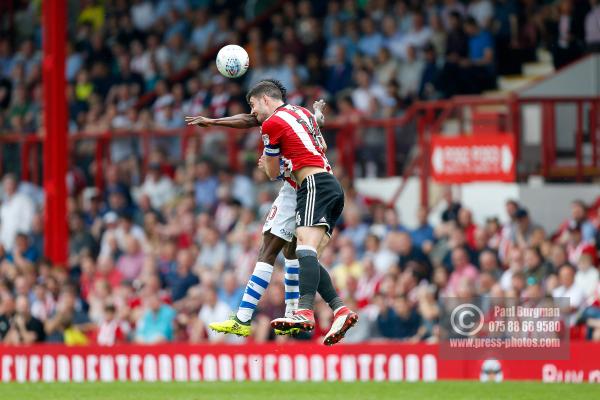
x=299, y=391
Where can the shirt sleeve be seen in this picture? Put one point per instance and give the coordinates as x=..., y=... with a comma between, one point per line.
x=271, y=137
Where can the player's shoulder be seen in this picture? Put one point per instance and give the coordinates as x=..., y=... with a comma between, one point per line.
x=301, y=109
x=275, y=123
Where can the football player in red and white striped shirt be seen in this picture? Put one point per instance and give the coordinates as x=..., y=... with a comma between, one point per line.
x=291, y=132
x=278, y=231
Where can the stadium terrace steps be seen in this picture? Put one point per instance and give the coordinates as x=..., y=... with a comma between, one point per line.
x=531, y=71
x=513, y=83
x=537, y=69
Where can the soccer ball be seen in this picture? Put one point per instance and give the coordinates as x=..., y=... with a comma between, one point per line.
x=232, y=61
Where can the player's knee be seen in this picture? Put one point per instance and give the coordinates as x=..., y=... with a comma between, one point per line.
x=267, y=257
x=310, y=236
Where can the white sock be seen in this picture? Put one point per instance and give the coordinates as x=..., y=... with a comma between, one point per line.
x=292, y=286
x=261, y=276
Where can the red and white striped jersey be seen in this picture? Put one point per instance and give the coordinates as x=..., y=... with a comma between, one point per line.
x=292, y=132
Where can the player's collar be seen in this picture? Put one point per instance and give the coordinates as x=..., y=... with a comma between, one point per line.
x=274, y=112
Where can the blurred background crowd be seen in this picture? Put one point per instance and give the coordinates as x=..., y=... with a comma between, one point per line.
x=157, y=253
x=159, y=260
x=143, y=64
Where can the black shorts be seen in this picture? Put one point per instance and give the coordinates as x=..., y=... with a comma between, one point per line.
x=320, y=201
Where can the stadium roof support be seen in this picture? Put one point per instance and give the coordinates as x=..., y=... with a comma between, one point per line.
x=54, y=22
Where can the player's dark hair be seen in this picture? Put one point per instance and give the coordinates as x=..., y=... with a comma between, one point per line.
x=269, y=87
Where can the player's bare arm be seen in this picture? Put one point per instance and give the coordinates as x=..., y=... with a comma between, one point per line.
x=270, y=165
x=246, y=121
x=238, y=121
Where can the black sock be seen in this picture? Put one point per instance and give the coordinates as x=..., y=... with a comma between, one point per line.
x=327, y=290
x=309, y=276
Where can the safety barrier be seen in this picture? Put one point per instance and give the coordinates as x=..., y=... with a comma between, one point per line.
x=386, y=361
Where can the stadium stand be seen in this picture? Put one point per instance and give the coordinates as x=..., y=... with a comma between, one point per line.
x=156, y=253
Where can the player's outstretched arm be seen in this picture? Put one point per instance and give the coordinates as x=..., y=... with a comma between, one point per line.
x=238, y=121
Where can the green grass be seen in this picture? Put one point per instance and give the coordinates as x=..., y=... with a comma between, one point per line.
x=299, y=391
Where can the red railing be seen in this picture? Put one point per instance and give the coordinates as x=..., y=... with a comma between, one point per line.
x=472, y=114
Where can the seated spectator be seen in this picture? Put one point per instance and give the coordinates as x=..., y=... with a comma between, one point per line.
x=371, y=40
x=80, y=239
x=157, y=186
x=536, y=271
x=398, y=320
x=130, y=263
x=156, y=323
x=579, y=217
x=42, y=303
x=23, y=327
x=568, y=288
x=231, y=292
x=364, y=96
x=348, y=267
x=68, y=315
x=383, y=258
x=587, y=277
x=212, y=310
x=112, y=330
x=576, y=246
x=489, y=263
x=386, y=67
x=23, y=253
x=182, y=279
x=205, y=186
x=515, y=266
x=113, y=241
x=368, y=283
x=392, y=221
x=16, y=212
x=463, y=270
x=213, y=253
x=401, y=243
x=354, y=229
x=558, y=257
x=523, y=228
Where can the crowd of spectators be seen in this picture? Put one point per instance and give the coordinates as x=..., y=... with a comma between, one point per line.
x=156, y=254
x=157, y=260
x=144, y=64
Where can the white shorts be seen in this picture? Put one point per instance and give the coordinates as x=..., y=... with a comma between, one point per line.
x=281, y=220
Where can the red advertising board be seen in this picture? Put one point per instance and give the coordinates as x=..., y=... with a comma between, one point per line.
x=462, y=159
x=270, y=362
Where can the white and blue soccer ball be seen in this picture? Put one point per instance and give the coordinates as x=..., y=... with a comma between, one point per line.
x=232, y=61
